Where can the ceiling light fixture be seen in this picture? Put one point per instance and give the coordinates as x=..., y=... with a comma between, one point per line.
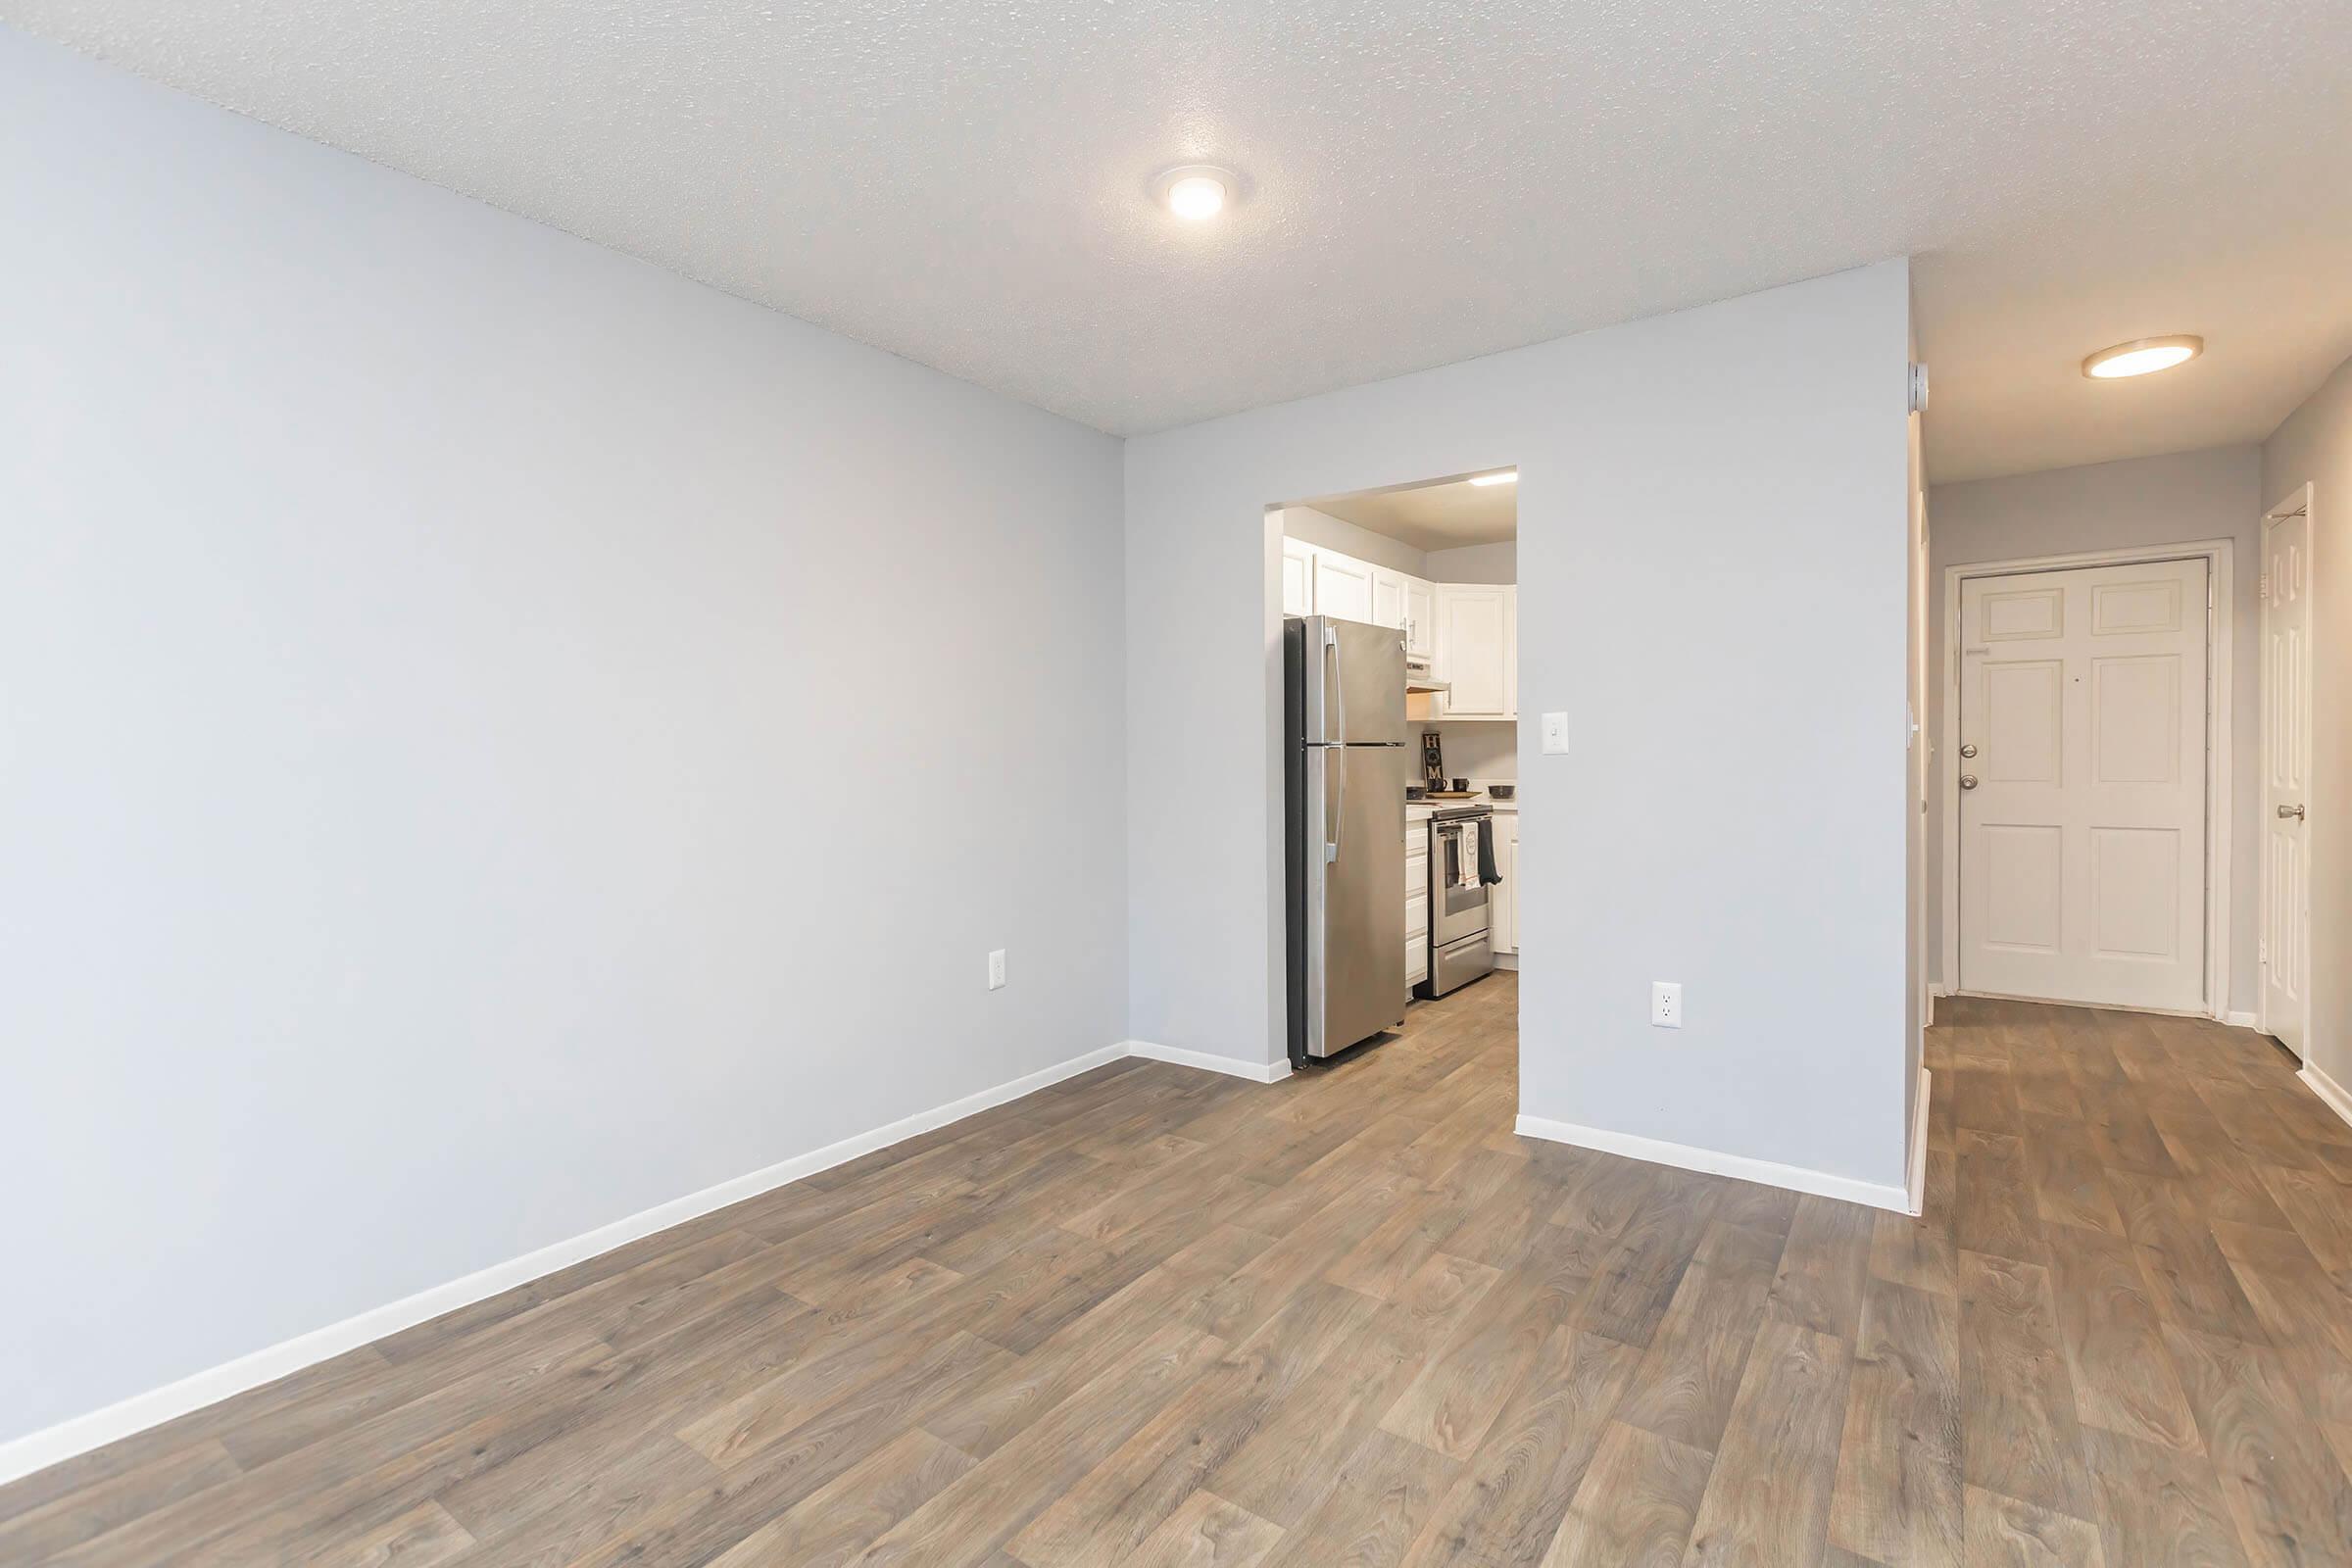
x=1498, y=476
x=1197, y=191
x=2141, y=355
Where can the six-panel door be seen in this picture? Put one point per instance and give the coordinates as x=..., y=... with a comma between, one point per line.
x=2083, y=701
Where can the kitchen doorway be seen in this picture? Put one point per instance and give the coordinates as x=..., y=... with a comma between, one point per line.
x=1397, y=611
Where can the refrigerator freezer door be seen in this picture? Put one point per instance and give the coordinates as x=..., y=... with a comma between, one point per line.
x=1355, y=935
x=1355, y=685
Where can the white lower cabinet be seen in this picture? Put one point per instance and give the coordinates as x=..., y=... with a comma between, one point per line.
x=1503, y=899
x=1416, y=903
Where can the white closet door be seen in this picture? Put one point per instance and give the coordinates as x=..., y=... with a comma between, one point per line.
x=2286, y=777
x=2083, y=704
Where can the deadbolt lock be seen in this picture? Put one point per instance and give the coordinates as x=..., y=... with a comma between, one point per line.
x=1969, y=750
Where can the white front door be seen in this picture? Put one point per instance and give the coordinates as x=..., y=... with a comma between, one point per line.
x=2082, y=797
x=2287, y=776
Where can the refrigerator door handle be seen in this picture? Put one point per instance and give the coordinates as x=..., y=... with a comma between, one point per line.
x=1339, y=688
x=1338, y=821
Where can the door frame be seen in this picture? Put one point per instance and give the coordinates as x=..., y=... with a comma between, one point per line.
x=2298, y=501
x=2219, y=628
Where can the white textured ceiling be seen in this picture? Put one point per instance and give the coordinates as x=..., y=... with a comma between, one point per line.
x=962, y=180
x=1445, y=516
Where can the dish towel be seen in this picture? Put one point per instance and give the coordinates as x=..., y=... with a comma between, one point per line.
x=1472, y=855
x=1486, y=860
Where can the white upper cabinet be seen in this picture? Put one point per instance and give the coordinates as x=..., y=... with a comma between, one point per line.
x=1316, y=581
x=1477, y=649
x=1420, y=618
x=1298, y=577
x=1342, y=586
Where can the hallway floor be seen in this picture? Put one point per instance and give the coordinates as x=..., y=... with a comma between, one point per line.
x=1156, y=1317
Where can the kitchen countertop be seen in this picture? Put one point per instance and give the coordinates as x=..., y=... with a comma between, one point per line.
x=1422, y=810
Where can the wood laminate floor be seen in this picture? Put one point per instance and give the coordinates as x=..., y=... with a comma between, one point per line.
x=1156, y=1317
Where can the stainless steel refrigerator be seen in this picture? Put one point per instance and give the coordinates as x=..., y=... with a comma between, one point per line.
x=1347, y=765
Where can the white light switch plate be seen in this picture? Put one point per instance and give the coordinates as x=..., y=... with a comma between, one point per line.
x=1555, y=734
x=996, y=970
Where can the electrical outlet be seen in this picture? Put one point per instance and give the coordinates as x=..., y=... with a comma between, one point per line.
x=996, y=970
x=1666, y=1003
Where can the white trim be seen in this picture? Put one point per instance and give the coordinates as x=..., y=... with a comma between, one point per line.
x=1258, y=1072
x=2241, y=1020
x=2221, y=743
x=1684, y=1156
x=2331, y=1093
x=39, y=1451
x=1917, y=1188
x=2297, y=503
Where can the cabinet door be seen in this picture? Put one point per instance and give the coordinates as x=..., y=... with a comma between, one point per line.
x=1473, y=650
x=1297, y=578
x=1342, y=586
x=1420, y=618
x=1388, y=598
x=1416, y=902
x=1502, y=900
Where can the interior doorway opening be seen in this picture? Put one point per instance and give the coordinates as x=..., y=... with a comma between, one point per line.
x=1398, y=730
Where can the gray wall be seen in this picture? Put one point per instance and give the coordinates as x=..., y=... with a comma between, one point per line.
x=2315, y=447
x=2187, y=496
x=1350, y=539
x=1496, y=563
x=497, y=737
x=1761, y=445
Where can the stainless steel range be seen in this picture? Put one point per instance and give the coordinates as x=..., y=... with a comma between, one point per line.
x=1461, y=948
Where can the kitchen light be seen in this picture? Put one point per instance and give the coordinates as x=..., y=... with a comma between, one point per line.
x=1498, y=476
x=2142, y=355
x=1197, y=191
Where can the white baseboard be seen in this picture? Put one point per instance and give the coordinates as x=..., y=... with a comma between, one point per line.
x=1507, y=961
x=2241, y=1021
x=1657, y=1152
x=2336, y=1096
x=39, y=1451
x=1917, y=1186
x=1258, y=1072
x=1936, y=988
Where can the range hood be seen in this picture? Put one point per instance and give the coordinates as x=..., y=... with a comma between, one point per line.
x=1418, y=677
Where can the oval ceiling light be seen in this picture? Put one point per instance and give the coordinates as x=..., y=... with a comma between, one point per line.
x=1498, y=476
x=2141, y=355
x=1197, y=191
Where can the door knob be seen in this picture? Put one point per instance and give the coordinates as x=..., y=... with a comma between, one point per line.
x=2296, y=811
x=1969, y=750
x=1968, y=781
